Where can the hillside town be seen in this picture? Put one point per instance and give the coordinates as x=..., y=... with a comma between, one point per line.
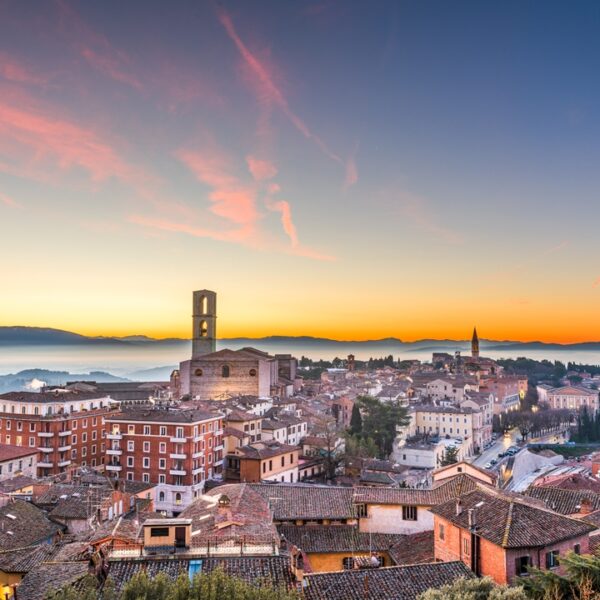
x=364, y=480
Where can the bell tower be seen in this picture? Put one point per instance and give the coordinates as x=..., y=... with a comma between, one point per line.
x=204, y=322
x=475, y=344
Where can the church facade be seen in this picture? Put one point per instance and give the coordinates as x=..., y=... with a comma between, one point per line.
x=222, y=374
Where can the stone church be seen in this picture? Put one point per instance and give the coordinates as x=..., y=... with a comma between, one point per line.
x=213, y=374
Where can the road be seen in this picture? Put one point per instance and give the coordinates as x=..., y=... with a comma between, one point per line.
x=504, y=442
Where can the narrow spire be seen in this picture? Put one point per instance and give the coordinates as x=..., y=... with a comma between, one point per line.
x=475, y=344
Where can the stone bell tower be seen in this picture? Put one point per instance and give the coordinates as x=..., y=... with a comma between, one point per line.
x=204, y=321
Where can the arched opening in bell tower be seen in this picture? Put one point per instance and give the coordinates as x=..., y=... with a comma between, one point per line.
x=203, y=329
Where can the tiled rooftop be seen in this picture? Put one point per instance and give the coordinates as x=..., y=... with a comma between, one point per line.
x=388, y=583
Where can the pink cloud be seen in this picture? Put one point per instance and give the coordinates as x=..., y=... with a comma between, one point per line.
x=351, y=170
x=35, y=142
x=111, y=64
x=596, y=283
x=8, y=201
x=266, y=89
x=283, y=207
x=13, y=70
x=230, y=198
x=261, y=169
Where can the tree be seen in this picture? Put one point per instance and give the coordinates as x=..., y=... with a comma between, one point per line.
x=86, y=590
x=450, y=456
x=355, y=420
x=580, y=582
x=380, y=421
x=474, y=589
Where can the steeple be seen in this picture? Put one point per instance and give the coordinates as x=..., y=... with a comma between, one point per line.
x=475, y=344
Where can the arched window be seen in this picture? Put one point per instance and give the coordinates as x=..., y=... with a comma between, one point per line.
x=203, y=305
x=225, y=371
x=203, y=329
x=177, y=498
x=198, y=373
x=161, y=496
x=252, y=372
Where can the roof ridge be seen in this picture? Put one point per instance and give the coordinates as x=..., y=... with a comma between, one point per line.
x=508, y=525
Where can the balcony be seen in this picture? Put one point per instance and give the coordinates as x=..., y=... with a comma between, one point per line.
x=115, y=435
x=46, y=449
x=218, y=432
x=178, y=440
x=217, y=448
x=198, y=454
x=177, y=471
x=114, y=467
x=197, y=470
x=199, y=438
x=218, y=462
x=64, y=463
x=64, y=448
x=44, y=464
x=64, y=432
x=178, y=456
x=114, y=451
x=46, y=434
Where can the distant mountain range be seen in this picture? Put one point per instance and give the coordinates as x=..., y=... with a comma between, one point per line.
x=44, y=336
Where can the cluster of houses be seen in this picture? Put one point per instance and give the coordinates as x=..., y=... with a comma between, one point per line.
x=233, y=463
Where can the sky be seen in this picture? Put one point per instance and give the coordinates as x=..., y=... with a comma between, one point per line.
x=352, y=170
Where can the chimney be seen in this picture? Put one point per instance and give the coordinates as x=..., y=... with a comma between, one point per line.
x=471, y=514
x=459, y=508
x=586, y=507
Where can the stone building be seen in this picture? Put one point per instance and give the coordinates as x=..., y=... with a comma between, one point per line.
x=222, y=374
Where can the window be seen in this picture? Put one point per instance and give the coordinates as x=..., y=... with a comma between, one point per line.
x=225, y=370
x=129, y=476
x=159, y=531
x=19, y=425
x=161, y=496
x=177, y=498
x=84, y=424
x=361, y=511
x=163, y=430
x=441, y=532
x=94, y=434
x=348, y=563
x=146, y=429
x=179, y=432
x=283, y=461
x=146, y=446
x=409, y=513
x=130, y=428
x=162, y=479
x=146, y=463
x=84, y=451
x=577, y=548
x=84, y=437
x=31, y=426
x=198, y=373
x=130, y=461
x=162, y=463
x=31, y=441
x=203, y=329
x=94, y=449
x=74, y=426
x=466, y=546
x=146, y=477
x=130, y=445
x=252, y=372
x=73, y=439
x=552, y=559
x=521, y=564
x=162, y=447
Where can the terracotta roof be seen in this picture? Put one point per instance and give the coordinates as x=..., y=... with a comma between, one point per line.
x=23, y=524
x=260, y=450
x=337, y=538
x=51, y=576
x=388, y=583
x=247, y=514
x=12, y=452
x=309, y=502
x=273, y=569
x=25, y=559
x=565, y=502
x=52, y=396
x=511, y=522
x=163, y=416
x=415, y=548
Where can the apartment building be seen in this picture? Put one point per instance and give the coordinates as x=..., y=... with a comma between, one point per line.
x=573, y=398
x=177, y=450
x=263, y=461
x=17, y=461
x=66, y=427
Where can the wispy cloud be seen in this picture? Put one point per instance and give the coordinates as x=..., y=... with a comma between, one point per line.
x=351, y=170
x=13, y=69
x=37, y=142
x=269, y=92
x=112, y=64
x=261, y=169
x=8, y=201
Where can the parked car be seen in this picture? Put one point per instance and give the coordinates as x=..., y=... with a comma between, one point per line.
x=502, y=454
x=488, y=465
x=493, y=462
